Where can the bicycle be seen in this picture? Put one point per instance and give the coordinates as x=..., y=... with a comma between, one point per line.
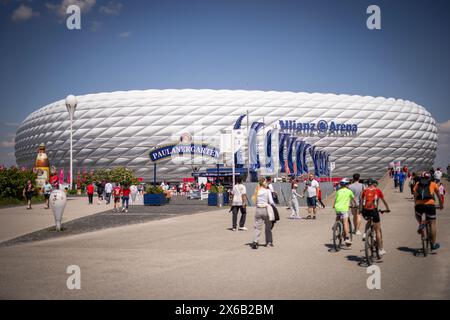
x=425, y=236
x=338, y=232
x=371, y=243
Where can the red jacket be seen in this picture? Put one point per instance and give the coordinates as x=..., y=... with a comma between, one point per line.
x=90, y=189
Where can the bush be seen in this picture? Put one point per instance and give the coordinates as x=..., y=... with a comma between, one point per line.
x=13, y=180
x=121, y=175
x=153, y=190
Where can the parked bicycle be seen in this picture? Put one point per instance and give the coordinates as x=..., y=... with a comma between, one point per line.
x=371, y=244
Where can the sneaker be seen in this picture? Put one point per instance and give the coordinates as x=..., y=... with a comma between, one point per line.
x=364, y=237
x=243, y=228
x=381, y=252
x=348, y=242
x=269, y=244
x=234, y=229
x=126, y=210
x=123, y=209
x=254, y=245
x=358, y=233
x=435, y=246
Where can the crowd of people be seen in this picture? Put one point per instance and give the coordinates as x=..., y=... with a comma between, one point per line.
x=353, y=198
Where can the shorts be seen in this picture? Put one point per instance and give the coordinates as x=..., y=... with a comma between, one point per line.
x=343, y=214
x=116, y=199
x=428, y=210
x=28, y=195
x=311, y=202
x=374, y=214
x=46, y=196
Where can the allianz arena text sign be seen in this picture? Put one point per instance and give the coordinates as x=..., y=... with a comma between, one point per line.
x=319, y=127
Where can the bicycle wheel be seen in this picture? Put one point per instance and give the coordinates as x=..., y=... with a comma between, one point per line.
x=368, y=243
x=424, y=238
x=337, y=235
x=375, y=248
x=428, y=238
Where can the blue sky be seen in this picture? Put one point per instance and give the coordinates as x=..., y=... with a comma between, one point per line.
x=312, y=46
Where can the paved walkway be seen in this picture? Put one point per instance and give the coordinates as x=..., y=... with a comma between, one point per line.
x=197, y=257
x=17, y=221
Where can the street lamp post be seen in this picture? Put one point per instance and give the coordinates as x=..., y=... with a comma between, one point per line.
x=71, y=105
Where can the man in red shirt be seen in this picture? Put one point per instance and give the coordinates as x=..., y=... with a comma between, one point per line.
x=90, y=192
x=117, y=191
x=369, y=209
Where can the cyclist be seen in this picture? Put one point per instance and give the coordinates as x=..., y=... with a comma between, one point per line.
x=368, y=206
x=344, y=197
x=425, y=191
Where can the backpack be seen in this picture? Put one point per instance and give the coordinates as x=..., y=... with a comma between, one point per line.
x=423, y=190
x=370, y=198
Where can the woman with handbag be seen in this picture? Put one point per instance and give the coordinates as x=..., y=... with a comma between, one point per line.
x=263, y=199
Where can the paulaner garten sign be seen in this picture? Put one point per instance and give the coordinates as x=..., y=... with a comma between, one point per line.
x=182, y=149
x=319, y=127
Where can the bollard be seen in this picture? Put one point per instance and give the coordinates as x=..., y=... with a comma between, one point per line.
x=58, y=200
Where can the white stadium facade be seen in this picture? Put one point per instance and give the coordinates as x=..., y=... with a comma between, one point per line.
x=292, y=133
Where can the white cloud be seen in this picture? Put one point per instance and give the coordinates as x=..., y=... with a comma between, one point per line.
x=10, y=143
x=111, y=9
x=23, y=13
x=124, y=34
x=60, y=9
x=11, y=124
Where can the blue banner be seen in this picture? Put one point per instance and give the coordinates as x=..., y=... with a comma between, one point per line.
x=253, y=146
x=269, y=160
x=281, y=142
x=305, y=163
x=298, y=156
x=290, y=150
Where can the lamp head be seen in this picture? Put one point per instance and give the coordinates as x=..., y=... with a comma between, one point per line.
x=71, y=103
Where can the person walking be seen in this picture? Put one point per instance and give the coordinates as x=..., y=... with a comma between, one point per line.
x=438, y=175
x=272, y=189
x=357, y=188
x=412, y=182
x=401, y=180
x=239, y=202
x=90, y=192
x=46, y=190
x=263, y=199
x=108, y=191
x=294, y=201
x=100, y=190
x=117, y=191
x=125, y=197
x=442, y=192
x=28, y=192
x=310, y=190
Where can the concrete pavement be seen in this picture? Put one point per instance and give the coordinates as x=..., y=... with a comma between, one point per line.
x=17, y=221
x=196, y=257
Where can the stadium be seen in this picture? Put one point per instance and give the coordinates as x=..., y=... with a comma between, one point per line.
x=290, y=133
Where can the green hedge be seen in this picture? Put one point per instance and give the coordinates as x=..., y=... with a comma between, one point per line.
x=12, y=182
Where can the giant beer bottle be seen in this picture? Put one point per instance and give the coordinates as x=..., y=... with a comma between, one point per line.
x=42, y=167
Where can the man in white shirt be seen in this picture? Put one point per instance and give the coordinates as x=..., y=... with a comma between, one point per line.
x=272, y=190
x=108, y=191
x=438, y=175
x=311, y=188
x=239, y=202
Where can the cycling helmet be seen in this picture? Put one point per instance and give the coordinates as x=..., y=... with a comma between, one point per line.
x=426, y=174
x=371, y=182
x=344, y=182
